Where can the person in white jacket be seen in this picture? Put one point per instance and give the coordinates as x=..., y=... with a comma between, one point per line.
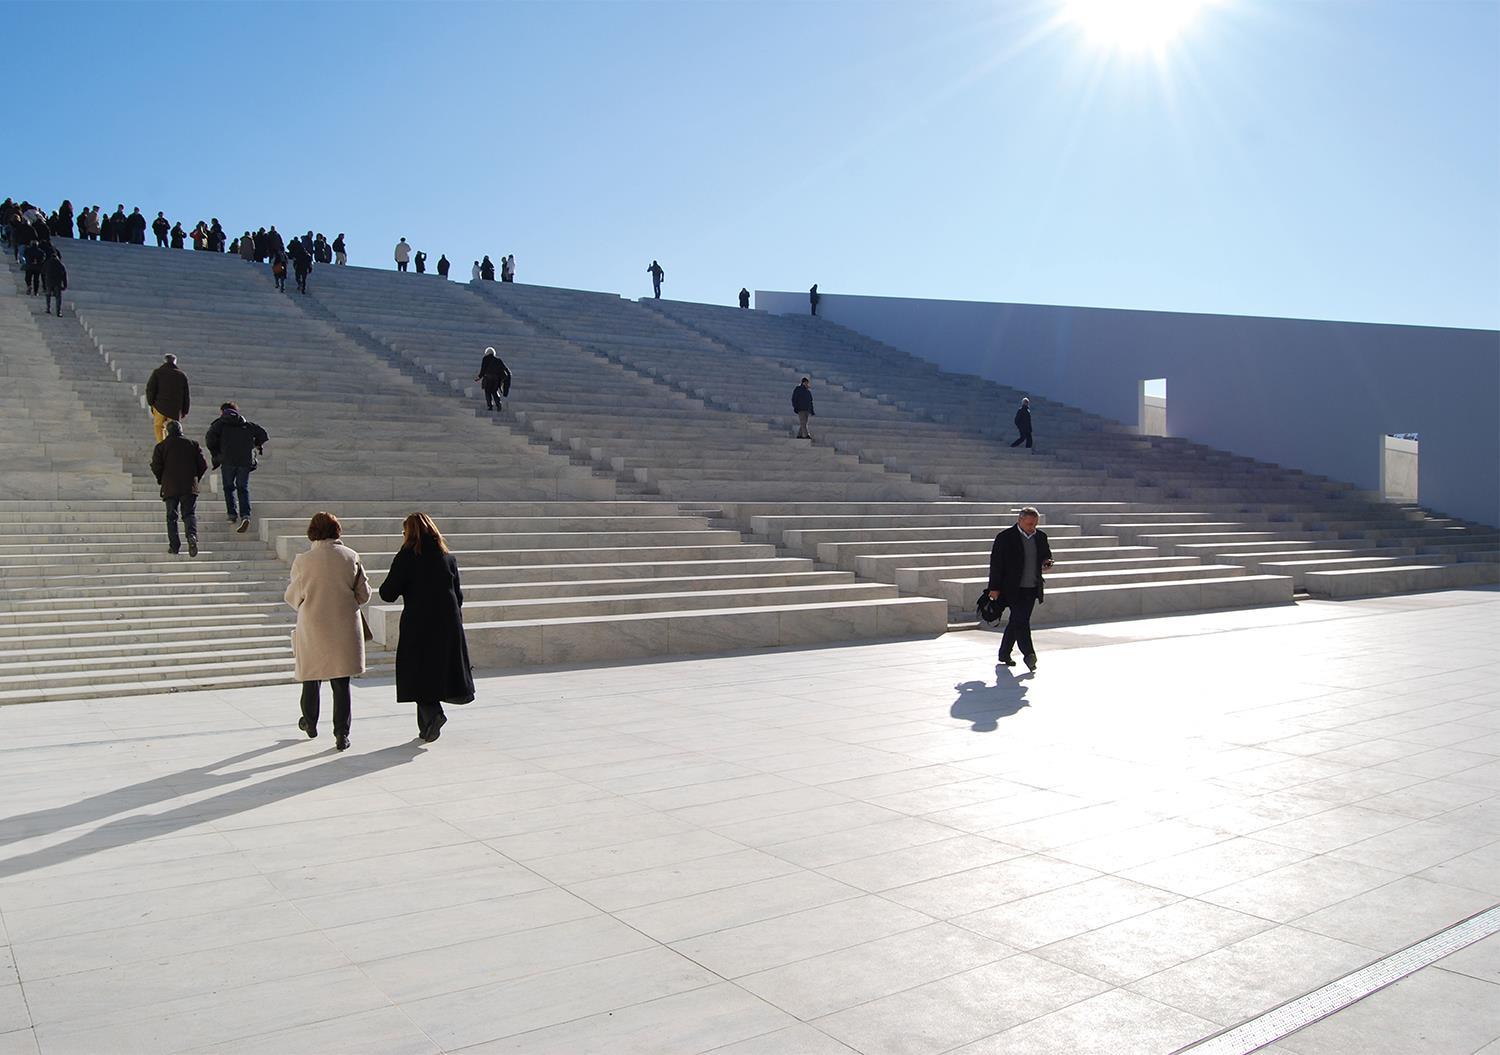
x=403, y=254
x=327, y=588
x=474, y=274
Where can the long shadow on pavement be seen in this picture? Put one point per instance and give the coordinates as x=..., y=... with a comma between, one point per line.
x=135, y=828
x=984, y=705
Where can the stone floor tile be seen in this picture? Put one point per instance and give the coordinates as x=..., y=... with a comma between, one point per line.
x=960, y=1009
x=1142, y=945
x=13, y=1011
x=1418, y=845
x=917, y=863
x=1298, y=889
x=687, y=917
x=383, y=1029
x=432, y=971
x=471, y=1016
x=1332, y=829
x=803, y=824
x=1480, y=960
x=694, y=1021
x=835, y=847
x=496, y=877
x=1242, y=980
x=1214, y=866
x=823, y=984
x=583, y=865
x=652, y=885
x=1434, y=1012
x=799, y=1039
x=800, y=935
x=1397, y=914
x=961, y=893
x=1477, y=870
x=1108, y=1024
x=1066, y=911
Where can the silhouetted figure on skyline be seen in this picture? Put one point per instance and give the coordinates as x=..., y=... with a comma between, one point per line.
x=657, y=274
x=813, y=296
x=744, y=298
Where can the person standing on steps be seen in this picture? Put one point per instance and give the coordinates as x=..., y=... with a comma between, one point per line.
x=510, y=268
x=247, y=246
x=813, y=296
x=178, y=235
x=328, y=586
x=657, y=274
x=54, y=280
x=432, y=655
x=160, y=227
x=1023, y=425
x=278, y=268
x=486, y=270
x=178, y=465
x=135, y=227
x=340, y=254
x=494, y=376
x=421, y=262
x=1017, y=559
x=802, y=404
x=233, y=443
x=443, y=266
x=403, y=254
x=33, y=257
x=474, y=272
x=744, y=298
x=167, y=395
x=301, y=263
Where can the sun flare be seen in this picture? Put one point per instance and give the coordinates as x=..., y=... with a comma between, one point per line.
x=1132, y=25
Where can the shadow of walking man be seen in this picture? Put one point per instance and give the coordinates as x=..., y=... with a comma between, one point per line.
x=984, y=705
x=140, y=827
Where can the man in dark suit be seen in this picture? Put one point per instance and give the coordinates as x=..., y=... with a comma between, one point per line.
x=1023, y=425
x=1017, y=559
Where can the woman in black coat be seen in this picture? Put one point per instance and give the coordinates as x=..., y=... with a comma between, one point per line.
x=432, y=656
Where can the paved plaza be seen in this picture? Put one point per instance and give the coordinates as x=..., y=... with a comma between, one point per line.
x=1175, y=825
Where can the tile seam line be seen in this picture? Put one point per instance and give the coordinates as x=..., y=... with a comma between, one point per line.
x=1484, y=923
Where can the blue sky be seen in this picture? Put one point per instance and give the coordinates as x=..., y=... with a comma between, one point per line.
x=1321, y=159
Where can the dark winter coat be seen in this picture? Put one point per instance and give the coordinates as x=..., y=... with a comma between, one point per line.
x=443, y=266
x=432, y=655
x=802, y=400
x=54, y=274
x=178, y=234
x=167, y=391
x=233, y=441
x=33, y=256
x=301, y=259
x=494, y=374
x=135, y=228
x=1023, y=421
x=1008, y=561
x=487, y=270
x=178, y=465
x=160, y=227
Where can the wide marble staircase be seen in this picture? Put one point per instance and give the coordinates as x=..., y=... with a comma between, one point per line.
x=1178, y=500
x=641, y=493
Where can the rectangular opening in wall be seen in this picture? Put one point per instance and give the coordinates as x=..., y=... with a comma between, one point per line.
x=1398, y=466
x=1152, y=400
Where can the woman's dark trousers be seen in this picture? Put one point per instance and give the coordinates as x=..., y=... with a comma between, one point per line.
x=430, y=718
x=310, y=704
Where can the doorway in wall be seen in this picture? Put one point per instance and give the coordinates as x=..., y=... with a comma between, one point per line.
x=1151, y=398
x=1398, y=466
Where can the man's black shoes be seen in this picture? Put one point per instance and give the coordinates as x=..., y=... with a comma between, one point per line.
x=312, y=734
x=1005, y=661
x=1030, y=662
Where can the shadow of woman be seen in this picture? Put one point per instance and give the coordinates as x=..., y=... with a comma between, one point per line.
x=137, y=827
x=984, y=705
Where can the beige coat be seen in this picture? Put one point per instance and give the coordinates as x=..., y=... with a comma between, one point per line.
x=328, y=586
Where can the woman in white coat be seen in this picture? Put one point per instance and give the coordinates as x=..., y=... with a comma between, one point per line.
x=328, y=586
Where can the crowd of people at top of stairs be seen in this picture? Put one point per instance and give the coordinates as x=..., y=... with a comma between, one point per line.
x=22, y=223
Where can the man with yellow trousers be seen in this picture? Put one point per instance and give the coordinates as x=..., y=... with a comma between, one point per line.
x=167, y=395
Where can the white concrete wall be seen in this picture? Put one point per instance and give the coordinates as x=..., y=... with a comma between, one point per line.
x=1398, y=470
x=1153, y=415
x=1314, y=395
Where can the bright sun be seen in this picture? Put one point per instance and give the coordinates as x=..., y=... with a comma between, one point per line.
x=1132, y=24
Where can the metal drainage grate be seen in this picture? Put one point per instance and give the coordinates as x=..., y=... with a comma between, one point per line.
x=1295, y=1014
